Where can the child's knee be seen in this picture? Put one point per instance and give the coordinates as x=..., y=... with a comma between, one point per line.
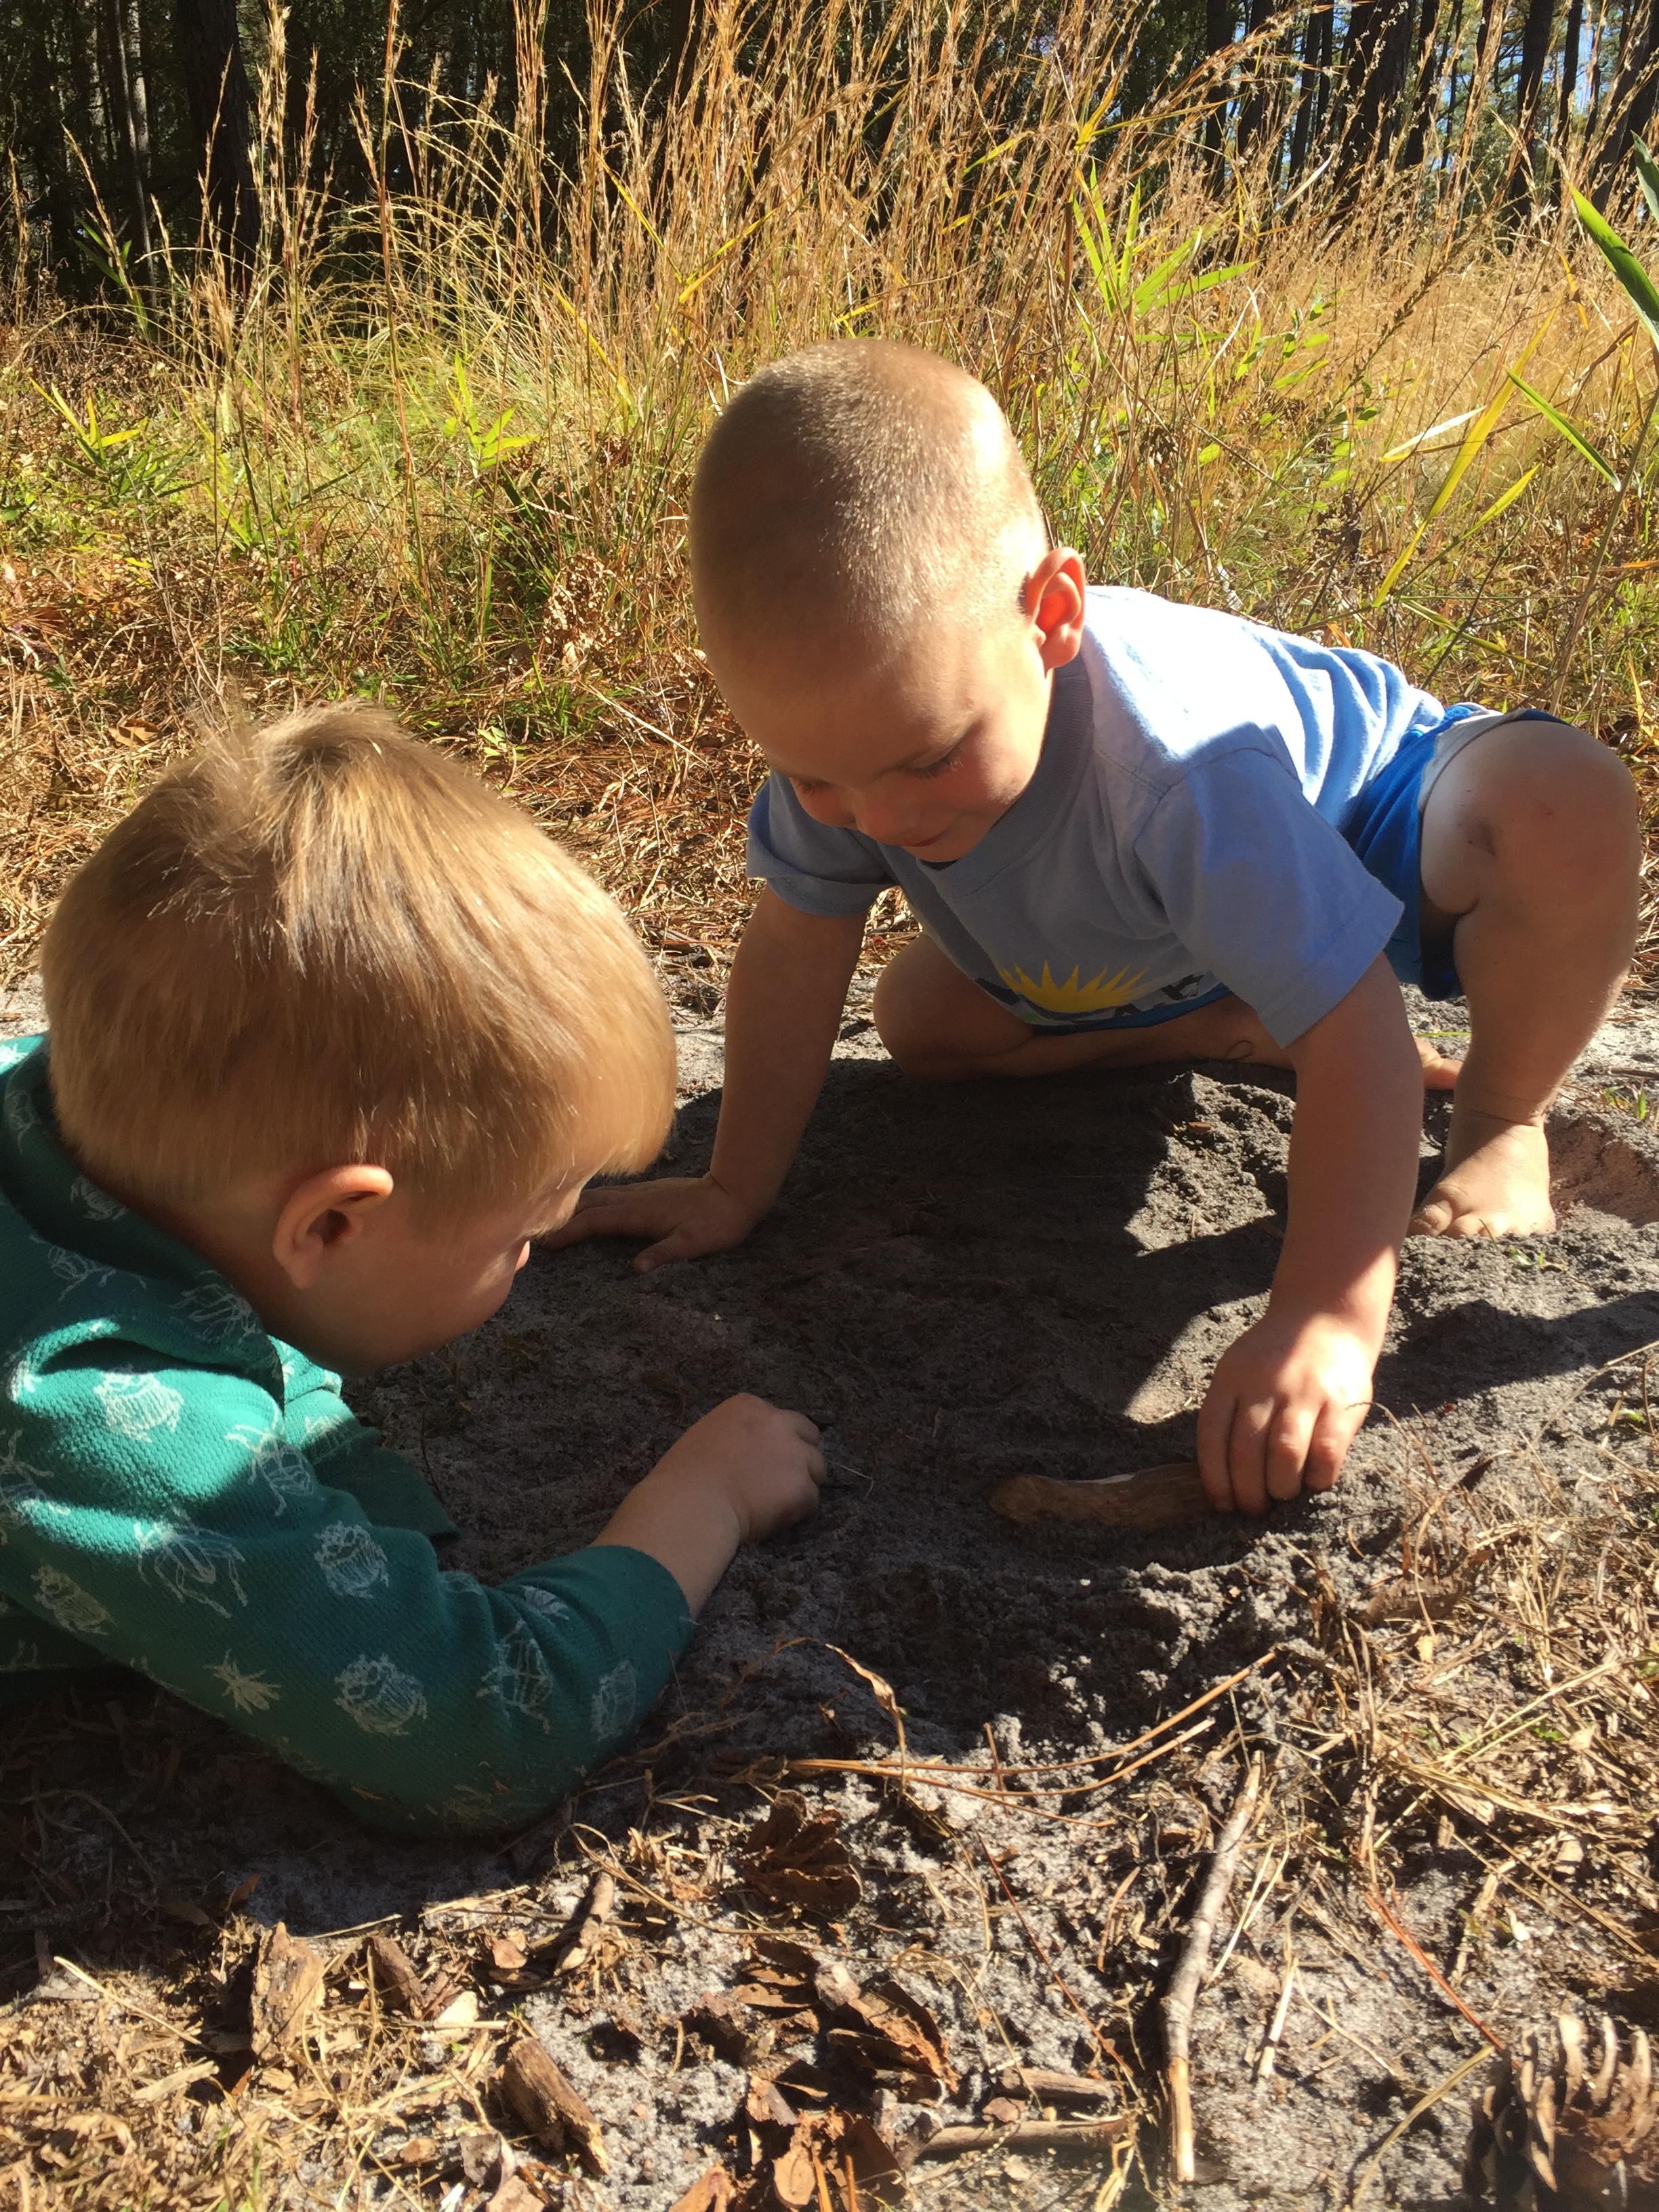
x=1559, y=811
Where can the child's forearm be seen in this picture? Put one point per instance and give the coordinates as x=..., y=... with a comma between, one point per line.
x=783, y=1007
x=1353, y=1159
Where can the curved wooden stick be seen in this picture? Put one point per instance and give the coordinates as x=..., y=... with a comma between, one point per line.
x=1153, y=1498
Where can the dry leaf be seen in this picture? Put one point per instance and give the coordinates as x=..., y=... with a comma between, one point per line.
x=794, y=2177
x=243, y=1891
x=180, y=1908
x=549, y=2103
x=419, y=2150
x=791, y=1859
x=515, y=2195
x=287, y=1980
x=713, y=2193
x=462, y=2014
x=507, y=1955
x=897, y=2036
x=882, y=1691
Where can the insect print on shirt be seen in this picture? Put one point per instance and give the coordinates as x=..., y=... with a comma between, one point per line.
x=23, y=1118
x=221, y=1313
x=97, y=1204
x=285, y=1472
x=520, y=1677
x=73, y=1269
x=543, y=1601
x=23, y=1492
x=352, y=1563
x=249, y=1693
x=614, y=1703
x=379, y=1696
x=75, y=1610
x=189, y=1562
x=134, y=1404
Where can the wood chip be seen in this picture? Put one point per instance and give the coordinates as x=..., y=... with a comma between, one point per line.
x=712, y=2193
x=1153, y=1497
x=287, y=1981
x=579, y=1941
x=549, y=2105
x=396, y=1982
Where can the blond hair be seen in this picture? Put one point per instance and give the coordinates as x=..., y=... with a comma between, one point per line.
x=323, y=943
x=854, y=488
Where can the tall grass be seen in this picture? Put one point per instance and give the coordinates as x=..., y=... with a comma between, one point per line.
x=436, y=447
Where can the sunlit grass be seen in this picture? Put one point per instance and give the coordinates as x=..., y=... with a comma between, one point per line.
x=439, y=449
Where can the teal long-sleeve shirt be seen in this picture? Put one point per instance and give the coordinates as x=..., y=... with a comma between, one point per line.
x=183, y=1494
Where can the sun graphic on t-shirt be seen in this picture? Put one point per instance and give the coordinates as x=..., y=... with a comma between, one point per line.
x=1072, y=997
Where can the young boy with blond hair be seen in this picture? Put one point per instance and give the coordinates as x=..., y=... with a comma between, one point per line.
x=1132, y=831
x=333, y=1032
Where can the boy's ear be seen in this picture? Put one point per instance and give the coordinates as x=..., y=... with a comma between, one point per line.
x=323, y=1214
x=1054, y=596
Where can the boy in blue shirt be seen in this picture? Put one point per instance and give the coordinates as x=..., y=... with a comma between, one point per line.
x=335, y=1031
x=1132, y=832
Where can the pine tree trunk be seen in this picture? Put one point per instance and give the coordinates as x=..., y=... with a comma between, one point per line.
x=216, y=84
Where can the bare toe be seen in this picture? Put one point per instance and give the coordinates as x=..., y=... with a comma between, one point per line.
x=1439, y=1073
x=1498, y=1188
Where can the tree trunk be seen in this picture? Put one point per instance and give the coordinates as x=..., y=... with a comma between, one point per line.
x=216, y=84
x=1431, y=59
x=1253, y=110
x=1220, y=29
x=1536, y=42
x=1376, y=62
x=132, y=114
x=1630, y=98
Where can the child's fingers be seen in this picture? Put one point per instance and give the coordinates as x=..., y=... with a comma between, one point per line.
x=1288, y=1439
x=1335, y=1430
x=1215, y=1422
x=1247, y=1453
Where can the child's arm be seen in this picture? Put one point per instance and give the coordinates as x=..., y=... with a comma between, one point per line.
x=746, y=1471
x=154, y=1513
x=1289, y=1396
x=783, y=1004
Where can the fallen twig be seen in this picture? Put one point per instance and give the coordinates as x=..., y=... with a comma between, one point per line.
x=1029, y=2135
x=582, y=1939
x=1189, y=1972
x=1392, y=1922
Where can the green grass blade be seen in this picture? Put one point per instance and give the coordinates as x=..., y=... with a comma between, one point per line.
x=1639, y=285
x=1559, y=421
x=1646, y=175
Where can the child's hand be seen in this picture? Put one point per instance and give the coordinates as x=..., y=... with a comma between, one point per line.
x=739, y=1475
x=687, y=1215
x=1286, y=1400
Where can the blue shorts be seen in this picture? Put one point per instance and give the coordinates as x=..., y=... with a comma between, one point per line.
x=1384, y=830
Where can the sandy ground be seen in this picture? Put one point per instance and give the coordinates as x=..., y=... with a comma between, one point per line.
x=962, y=1284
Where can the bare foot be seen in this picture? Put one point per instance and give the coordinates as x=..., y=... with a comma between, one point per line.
x=1439, y=1073
x=1496, y=1183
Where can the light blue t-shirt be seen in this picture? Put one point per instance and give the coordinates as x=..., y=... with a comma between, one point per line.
x=1181, y=836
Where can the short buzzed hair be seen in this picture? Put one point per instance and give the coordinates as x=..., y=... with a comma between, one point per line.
x=322, y=942
x=853, y=488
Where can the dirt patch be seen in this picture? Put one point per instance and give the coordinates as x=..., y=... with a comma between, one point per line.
x=962, y=1284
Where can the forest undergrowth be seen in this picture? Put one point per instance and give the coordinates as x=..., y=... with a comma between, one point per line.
x=435, y=449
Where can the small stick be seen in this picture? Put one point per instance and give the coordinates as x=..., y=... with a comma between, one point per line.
x=852, y=2184
x=1276, y=2028
x=1441, y=2088
x=1392, y=1922
x=1029, y=2135
x=1189, y=1971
